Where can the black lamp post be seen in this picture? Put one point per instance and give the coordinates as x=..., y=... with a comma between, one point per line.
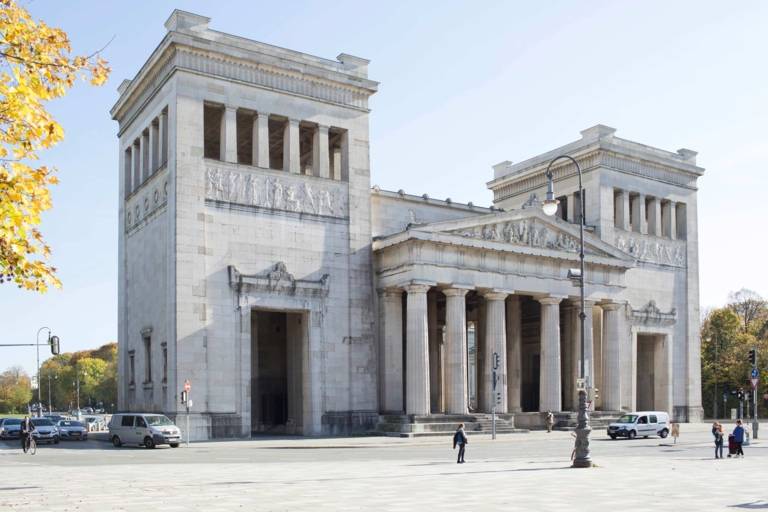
x=582, y=457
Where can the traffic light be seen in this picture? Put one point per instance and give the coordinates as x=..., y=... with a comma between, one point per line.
x=752, y=356
x=184, y=397
x=740, y=395
x=55, y=349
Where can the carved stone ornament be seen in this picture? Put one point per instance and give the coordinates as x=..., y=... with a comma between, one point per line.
x=523, y=232
x=291, y=194
x=532, y=202
x=275, y=281
x=652, y=251
x=650, y=314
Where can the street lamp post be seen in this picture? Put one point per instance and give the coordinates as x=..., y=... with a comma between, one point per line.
x=582, y=458
x=37, y=347
x=55, y=377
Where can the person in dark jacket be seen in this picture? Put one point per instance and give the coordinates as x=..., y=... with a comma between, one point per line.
x=26, y=430
x=717, y=432
x=460, y=439
x=738, y=437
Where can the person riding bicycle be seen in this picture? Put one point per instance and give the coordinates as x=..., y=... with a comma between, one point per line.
x=26, y=430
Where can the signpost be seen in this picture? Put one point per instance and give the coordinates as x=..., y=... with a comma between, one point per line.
x=754, y=377
x=187, y=403
x=496, y=396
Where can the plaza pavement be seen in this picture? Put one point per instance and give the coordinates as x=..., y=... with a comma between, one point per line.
x=515, y=472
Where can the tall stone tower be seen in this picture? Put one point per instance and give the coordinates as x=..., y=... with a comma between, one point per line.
x=244, y=236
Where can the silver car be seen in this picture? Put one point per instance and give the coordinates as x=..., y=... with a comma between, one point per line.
x=73, y=430
x=10, y=428
x=45, y=431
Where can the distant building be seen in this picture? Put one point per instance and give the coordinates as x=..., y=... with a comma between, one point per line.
x=256, y=261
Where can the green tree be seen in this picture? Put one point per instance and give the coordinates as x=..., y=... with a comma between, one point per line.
x=15, y=390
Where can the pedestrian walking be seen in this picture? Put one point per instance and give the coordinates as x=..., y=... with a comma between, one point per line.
x=460, y=440
x=717, y=433
x=550, y=421
x=738, y=438
x=675, y=433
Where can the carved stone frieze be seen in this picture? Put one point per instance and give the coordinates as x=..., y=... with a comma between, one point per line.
x=140, y=207
x=275, y=281
x=529, y=232
x=285, y=193
x=652, y=250
x=650, y=314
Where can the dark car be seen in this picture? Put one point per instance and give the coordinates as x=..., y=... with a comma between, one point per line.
x=10, y=428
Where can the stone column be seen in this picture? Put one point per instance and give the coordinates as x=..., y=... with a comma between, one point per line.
x=261, y=140
x=611, y=391
x=672, y=220
x=344, y=156
x=228, y=141
x=549, y=383
x=162, y=131
x=643, y=221
x=392, y=351
x=514, y=353
x=291, y=157
x=435, y=373
x=321, y=164
x=417, y=351
x=495, y=343
x=153, y=150
x=143, y=160
x=456, y=389
x=136, y=164
x=654, y=217
x=336, y=164
x=622, y=202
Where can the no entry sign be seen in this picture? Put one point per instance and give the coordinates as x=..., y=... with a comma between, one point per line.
x=187, y=385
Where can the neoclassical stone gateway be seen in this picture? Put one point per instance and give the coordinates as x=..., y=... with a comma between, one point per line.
x=256, y=261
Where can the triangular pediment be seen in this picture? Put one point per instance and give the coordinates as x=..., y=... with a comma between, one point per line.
x=525, y=228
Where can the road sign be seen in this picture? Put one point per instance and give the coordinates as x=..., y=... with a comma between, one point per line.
x=187, y=385
x=755, y=373
x=754, y=383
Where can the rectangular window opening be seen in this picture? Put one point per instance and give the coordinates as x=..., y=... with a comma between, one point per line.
x=213, y=116
x=165, y=363
x=147, y=359
x=245, y=120
x=681, y=221
x=277, y=129
x=306, y=153
x=562, y=207
x=577, y=201
x=618, y=199
x=131, y=368
x=336, y=146
x=127, y=167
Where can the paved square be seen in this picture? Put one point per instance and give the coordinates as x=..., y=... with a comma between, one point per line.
x=515, y=472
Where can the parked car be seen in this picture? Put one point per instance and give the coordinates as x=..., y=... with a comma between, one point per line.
x=73, y=430
x=45, y=431
x=644, y=424
x=10, y=428
x=143, y=429
x=55, y=418
x=94, y=423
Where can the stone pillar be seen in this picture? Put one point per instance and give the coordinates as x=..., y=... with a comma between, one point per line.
x=261, y=140
x=153, y=149
x=549, y=383
x=136, y=164
x=336, y=164
x=514, y=353
x=162, y=138
x=344, y=156
x=456, y=388
x=654, y=217
x=495, y=343
x=643, y=221
x=417, y=351
x=291, y=157
x=228, y=141
x=392, y=351
x=143, y=160
x=321, y=164
x=672, y=220
x=435, y=373
x=611, y=391
x=622, y=217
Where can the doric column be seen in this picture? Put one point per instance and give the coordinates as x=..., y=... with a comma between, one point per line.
x=321, y=164
x=417, y=351
x=514, y=353
x=153, y=149
x=611, y=391
x=496, y=352
x=144, y=160
x=456, y=390
x=336, y=164
x=623, y=205
x=261, y=140
x=291, y=156
x=392, y=351
x=654, y=217
x=549, y=383
x=162, y=131
x=136, y=164
x=643, y=221
x=672, y=220
x=228, y=141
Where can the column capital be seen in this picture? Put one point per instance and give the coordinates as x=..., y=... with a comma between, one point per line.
x=323, y=127
x=550, y=300
x=610, y=306
x=293, y=121
x=454, y=292
x=391, y=292
x=230, y=108
x=495, y=294
x=418, y=287
x=262, y=113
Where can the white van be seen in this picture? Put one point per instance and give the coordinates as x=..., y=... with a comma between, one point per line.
x=143, y=429
x=640, y=424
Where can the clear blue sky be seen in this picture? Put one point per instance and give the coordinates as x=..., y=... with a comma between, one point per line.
x=464, y=85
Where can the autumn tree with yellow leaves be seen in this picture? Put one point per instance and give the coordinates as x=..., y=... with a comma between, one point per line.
x=36, y=66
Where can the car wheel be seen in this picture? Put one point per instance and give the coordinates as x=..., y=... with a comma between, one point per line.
x=632, y=434
x=174, y=445
x=613, y=436
x=148, y=442
x=116, y=442
x=664, y=433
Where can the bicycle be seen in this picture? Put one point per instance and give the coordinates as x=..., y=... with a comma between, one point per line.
x=30, y=445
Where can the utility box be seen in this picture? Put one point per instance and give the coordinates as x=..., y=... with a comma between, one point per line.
x=734, y=413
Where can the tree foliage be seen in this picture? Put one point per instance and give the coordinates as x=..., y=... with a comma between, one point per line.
x=36, y=66
x=15, y=390
x=727, y=335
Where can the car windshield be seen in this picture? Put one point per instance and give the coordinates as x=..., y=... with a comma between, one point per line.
x=42, y=422
x=628, y=418
x=11, y=421
x=158, y=421
x=70, y=424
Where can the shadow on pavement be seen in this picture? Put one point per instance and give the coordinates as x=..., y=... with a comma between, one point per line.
x=753, y=505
